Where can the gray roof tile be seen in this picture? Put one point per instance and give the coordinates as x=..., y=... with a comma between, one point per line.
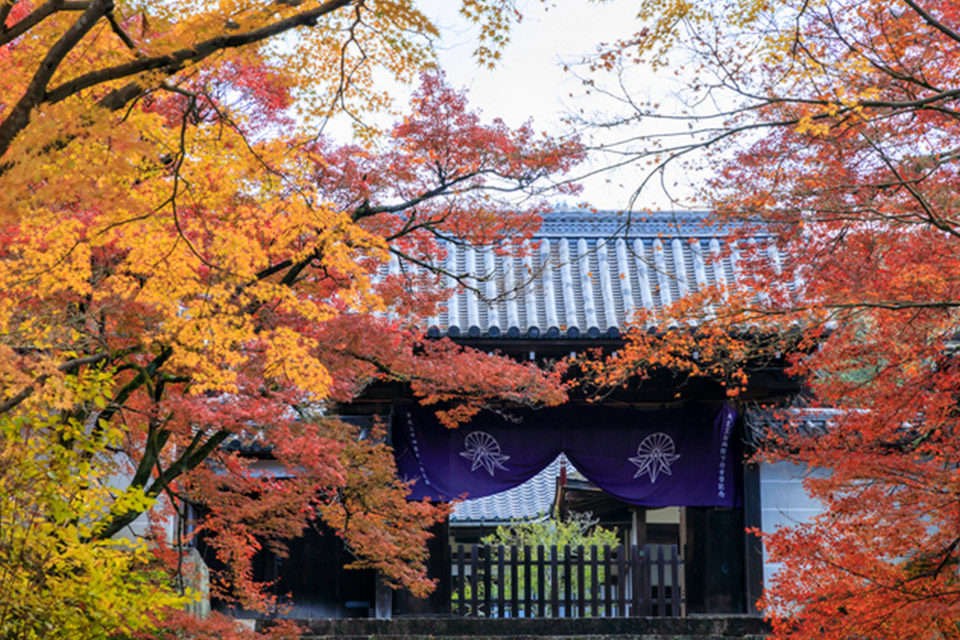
x=531, y=500
x=590, y=273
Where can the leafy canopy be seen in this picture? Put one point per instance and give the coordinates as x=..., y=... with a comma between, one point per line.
x=187, y=263
x=837, y=132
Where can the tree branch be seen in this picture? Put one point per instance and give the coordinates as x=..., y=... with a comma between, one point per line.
x=19, y=116
x=173, y=62
x=192, y=457
x=123, y=35
x=933, y=22
x=35, y=17
x=66, y=367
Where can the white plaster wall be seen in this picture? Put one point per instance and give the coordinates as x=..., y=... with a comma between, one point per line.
x=121, y=480
x=139, y=527
x=783, y=502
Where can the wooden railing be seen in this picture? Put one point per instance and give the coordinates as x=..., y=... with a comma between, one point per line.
x=496, y=581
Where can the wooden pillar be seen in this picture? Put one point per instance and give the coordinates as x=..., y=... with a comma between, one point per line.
x=438, y=568
x=383, y=600
x=638, y=528
x=752, y=545
x=713, y=560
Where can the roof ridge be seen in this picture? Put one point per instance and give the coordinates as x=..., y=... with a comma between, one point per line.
x=631, y=224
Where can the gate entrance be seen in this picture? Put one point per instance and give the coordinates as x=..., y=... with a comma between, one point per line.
x=498, y=581
x=653, y=471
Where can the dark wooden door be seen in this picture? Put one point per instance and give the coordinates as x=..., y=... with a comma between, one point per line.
x=438, y=568
x=713, y=564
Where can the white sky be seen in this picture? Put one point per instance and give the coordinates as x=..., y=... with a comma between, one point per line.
x=530, y=84
x=530, y=81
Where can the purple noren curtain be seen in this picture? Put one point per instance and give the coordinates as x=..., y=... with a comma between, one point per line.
x=655, y=458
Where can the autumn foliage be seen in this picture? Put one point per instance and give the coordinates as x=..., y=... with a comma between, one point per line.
x=189, y=268
x=837, y=142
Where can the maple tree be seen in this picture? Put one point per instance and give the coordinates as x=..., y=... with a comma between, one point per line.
x=836, y=140
x=50, y=495
x=174, y=230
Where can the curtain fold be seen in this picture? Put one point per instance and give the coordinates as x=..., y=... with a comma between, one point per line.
x=683, y=456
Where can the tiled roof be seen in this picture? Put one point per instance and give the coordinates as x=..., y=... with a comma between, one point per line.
x=584, y=275
x=532, y=499
x=760, y=423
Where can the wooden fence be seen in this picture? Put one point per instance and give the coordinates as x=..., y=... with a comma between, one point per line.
x=496, y=581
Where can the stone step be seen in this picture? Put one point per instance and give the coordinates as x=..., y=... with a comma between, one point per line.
x=692, y=628
x=536, y=637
